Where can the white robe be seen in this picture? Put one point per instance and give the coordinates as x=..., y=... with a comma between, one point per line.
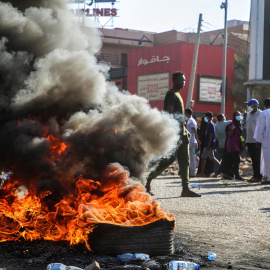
x=262, y=135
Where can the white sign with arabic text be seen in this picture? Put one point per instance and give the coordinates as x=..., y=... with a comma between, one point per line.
x=210, y=89
x=153, y=86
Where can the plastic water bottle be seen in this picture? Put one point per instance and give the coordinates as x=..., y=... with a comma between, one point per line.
x=182, y=265
x=126, y=257
x=193, y=185
x=211, y=256
x=60, y=266
x=141, y=257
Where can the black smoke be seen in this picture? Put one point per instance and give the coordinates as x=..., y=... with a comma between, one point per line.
x=51, y=87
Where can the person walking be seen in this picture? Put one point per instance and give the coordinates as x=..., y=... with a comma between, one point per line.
x=254, y=152
x=220, y=128
x=233, y=147
x=262, y=137
x=191, y=126
x=210, y=143
x=173, y=104
x=209, y=166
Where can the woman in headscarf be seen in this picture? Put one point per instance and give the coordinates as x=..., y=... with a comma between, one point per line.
x=233, y=147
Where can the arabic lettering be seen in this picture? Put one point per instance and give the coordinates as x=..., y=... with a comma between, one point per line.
x=154, y=59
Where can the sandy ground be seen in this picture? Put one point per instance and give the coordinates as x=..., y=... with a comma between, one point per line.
x=231, y=219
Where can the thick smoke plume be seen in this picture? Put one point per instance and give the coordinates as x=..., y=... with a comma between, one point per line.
x=58, y=115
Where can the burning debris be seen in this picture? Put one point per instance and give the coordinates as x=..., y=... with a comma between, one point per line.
x=65, y=130
x=71, y=214
x=38, y=255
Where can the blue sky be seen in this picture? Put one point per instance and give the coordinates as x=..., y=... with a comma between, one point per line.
x=161, y=16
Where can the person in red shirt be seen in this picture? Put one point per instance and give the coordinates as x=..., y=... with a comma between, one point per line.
x=233, y=147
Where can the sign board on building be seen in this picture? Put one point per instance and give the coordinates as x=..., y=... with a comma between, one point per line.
x=103, y=12
x=209, y=89
x=154, y=59
x=153, y=86
x=89, y=12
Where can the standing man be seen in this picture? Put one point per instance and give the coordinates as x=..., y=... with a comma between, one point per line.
x=262, y=137
x=220, y=128
x=210, y=143
x=191, y=125
x=254, y=152
x=173, y=104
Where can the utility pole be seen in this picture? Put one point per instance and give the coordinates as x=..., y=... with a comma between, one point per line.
x=223, y=91
x=190, y=102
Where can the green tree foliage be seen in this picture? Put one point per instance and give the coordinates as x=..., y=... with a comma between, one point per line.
x=240, y=77
x=261, y=92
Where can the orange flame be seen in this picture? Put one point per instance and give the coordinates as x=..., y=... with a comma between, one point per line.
x=116, y=199
x=57, y=147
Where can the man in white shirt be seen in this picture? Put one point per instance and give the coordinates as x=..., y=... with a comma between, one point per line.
x=254, y=152
x=191, y=126
x=262, y=137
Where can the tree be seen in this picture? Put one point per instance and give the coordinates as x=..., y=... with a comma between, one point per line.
x=241, y=66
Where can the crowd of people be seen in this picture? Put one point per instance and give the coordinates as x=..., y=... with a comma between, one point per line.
x=223, y=142
x=218, y=141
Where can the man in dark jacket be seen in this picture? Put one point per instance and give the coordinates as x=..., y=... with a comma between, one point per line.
x=173, y=104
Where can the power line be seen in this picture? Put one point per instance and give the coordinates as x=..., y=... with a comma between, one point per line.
x=189, y=27
x=206, y=27
x=217, y=28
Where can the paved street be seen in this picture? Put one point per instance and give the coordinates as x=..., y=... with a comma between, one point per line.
x=231, y=219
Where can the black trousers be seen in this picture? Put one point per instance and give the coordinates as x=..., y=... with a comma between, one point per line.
x=230, y=163
x=255, y=155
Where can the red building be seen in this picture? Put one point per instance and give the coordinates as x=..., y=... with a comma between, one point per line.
x=150, y=70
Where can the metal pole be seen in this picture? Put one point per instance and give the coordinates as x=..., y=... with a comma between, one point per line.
x=78, y=11
x=194, y=65
x=83, y=12
x=223, y=92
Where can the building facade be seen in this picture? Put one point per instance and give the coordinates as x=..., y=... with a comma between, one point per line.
x=123, y=48
x=150, y=70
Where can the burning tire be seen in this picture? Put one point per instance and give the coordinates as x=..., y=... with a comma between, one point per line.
x=155, y=239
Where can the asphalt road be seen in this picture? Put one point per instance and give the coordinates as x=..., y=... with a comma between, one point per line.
x=232, y=219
